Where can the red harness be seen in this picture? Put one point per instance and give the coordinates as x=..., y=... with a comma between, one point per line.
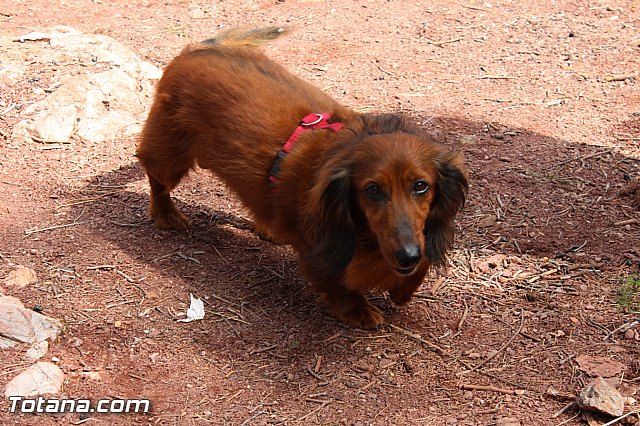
x=310, y=122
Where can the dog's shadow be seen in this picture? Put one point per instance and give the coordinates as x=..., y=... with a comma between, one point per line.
x=251, y=284
x=245, y=281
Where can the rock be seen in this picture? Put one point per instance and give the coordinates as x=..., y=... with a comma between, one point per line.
x=487, y=221
x=105, y=100
x=630, y=334
x=19, y=325
x=20, y=277
x=601, y=397
x=32, y=36
x=39, y=379
x=490, y=263
x=92, y=375
x=599, y=366
x=36, y=351
x=53, y=124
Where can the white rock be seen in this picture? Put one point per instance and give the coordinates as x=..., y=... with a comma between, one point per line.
x=39, y=379
x=92, y=375
x=32, y=36
x=105, y=101
x=54, y=124
x=150, y=71
x=37, y=351
x=21, y=325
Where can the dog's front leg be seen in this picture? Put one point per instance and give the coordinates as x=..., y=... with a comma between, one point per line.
x=351, y=307
x=264, y=233
x=402, y=294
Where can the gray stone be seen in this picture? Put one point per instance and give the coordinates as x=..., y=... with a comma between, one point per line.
x=601, y=397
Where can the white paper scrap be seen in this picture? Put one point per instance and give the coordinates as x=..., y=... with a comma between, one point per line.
x=195, y=311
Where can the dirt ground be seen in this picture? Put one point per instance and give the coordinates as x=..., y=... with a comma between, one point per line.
x=541, y=97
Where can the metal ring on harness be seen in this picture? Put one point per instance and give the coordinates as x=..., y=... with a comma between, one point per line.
x=319, y=119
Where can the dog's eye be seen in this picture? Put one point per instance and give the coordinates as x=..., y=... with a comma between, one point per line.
x=420, y=187
x=372, y=190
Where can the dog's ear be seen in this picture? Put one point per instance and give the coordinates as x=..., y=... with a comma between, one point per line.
x=451, y=192
x=330, y=228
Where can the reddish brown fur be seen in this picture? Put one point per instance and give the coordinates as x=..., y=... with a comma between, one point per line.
x=225, y=106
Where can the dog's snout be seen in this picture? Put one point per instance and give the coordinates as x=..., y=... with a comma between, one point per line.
x=408, y=256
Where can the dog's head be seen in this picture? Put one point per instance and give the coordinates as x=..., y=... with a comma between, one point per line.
x=394, y=184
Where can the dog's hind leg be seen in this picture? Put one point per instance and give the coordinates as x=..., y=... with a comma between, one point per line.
x=161, y=207
x=165, y=155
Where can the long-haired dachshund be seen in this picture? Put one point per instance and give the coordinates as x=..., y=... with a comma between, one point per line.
x=367, y=200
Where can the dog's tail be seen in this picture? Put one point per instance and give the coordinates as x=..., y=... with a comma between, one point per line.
x=239, y=37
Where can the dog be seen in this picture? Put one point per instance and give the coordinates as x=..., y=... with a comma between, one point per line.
x=367, y=200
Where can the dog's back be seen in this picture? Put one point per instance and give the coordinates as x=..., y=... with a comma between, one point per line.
x=224, y=106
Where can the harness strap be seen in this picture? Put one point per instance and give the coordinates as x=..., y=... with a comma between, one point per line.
x=312, y=121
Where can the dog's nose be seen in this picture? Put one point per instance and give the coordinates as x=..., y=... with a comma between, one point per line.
x=408, y=256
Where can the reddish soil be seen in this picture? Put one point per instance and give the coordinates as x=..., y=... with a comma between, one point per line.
x=533, y=92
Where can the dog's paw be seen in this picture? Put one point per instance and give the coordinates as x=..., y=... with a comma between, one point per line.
x=264, y=233
x=172, y=220
x=359, y=315
x=400, y=296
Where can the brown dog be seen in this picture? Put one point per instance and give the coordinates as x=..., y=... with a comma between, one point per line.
x=367, y=200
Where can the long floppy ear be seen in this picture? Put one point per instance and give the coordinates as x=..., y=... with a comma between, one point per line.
x=451, y=192
x=329, y=226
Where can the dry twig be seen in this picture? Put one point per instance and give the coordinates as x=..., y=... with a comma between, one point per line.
x=466, y=386
x=324, y=404
x=417, y=337
x=257, y=351
x=33, y=231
